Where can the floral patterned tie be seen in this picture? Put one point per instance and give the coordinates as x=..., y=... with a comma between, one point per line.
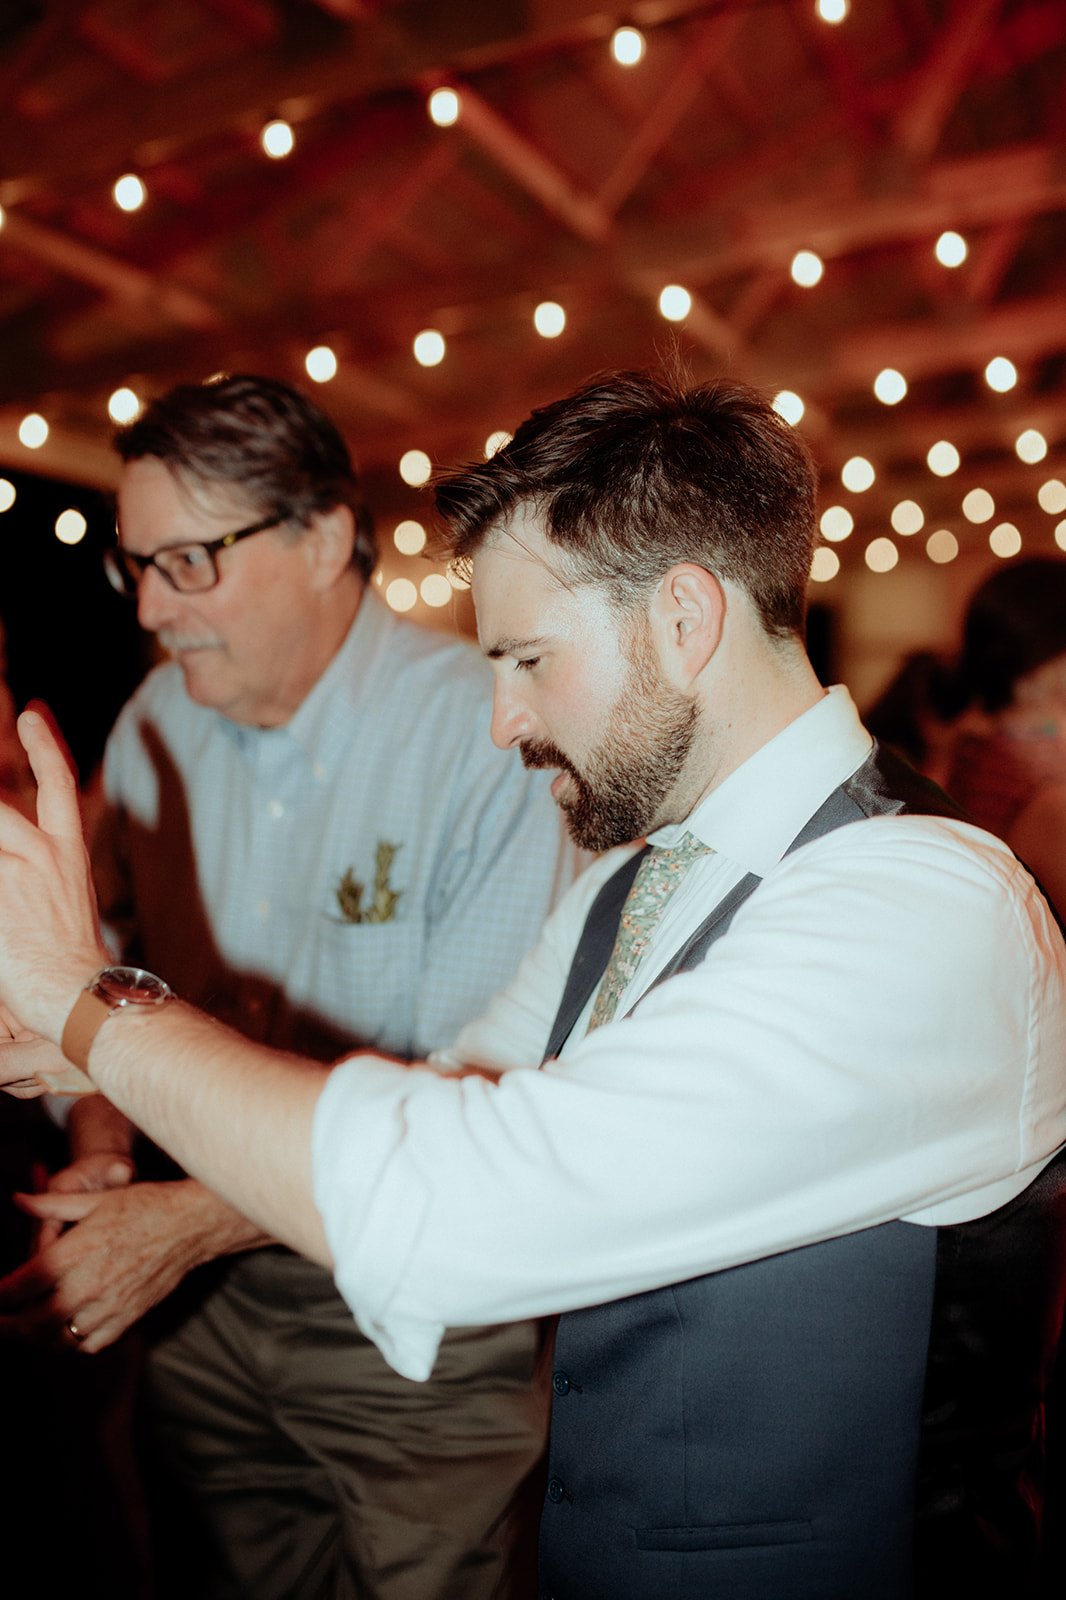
x=657, y=877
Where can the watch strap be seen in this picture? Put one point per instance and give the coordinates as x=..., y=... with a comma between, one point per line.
x=88, y=1015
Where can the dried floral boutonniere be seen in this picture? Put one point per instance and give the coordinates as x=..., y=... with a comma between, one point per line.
x=350, y=891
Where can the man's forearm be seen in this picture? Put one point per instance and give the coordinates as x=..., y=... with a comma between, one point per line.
x=95, y=1126
x=235, y=1115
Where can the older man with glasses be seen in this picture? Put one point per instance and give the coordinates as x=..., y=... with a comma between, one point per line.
x=308, y=829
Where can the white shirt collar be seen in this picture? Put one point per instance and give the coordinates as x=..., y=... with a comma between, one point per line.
x=754, y=814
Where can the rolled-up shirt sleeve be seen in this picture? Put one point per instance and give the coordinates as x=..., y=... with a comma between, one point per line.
x=881, y=1035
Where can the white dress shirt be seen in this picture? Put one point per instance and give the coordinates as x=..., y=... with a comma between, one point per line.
x=880, y=1035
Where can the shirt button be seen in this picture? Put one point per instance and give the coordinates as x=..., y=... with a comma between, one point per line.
x=560, y=1383
x=556, y=1492
x=276, y=809
x=263, y=909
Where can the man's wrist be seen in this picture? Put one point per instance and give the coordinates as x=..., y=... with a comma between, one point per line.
x=110, y=990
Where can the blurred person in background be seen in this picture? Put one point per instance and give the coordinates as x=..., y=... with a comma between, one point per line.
x=915, y=713
x=1008, y=767
x=305, y=823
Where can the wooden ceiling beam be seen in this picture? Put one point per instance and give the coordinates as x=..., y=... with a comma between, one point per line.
x=1024, y=331
x=940, y=80
x=127, y=284
x=532, y=170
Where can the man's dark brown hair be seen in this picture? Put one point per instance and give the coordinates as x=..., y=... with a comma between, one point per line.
x=633, y=474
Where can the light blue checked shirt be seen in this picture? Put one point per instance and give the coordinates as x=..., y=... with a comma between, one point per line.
x=222, y=847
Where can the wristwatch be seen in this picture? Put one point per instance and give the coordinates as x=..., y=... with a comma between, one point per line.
x=111, y=990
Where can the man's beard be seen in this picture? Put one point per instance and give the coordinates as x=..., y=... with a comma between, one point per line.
x=627, y=777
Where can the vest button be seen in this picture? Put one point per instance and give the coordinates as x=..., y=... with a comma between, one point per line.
x=560, y=1383
x=556, y=1492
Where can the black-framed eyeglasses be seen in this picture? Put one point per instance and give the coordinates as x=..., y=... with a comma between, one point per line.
x=188, y=568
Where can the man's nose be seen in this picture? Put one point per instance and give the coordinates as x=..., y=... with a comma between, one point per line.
x=512, y=720
x=157, y=601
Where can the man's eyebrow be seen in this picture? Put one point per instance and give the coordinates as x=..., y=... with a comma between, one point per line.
x=514, y=647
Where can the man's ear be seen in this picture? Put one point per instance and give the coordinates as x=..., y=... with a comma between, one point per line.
x=687, y=615
x=328, y=544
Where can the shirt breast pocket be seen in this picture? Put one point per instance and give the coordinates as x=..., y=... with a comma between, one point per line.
x=364, y=978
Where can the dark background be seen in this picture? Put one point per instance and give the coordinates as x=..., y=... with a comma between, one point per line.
x=71, y=640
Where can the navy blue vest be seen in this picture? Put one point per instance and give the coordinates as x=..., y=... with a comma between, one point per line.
x=856, y=1420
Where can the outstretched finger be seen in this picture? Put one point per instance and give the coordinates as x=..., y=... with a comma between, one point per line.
x=58, y=808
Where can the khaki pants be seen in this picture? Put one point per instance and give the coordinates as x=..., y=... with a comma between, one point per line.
x=317, y=1473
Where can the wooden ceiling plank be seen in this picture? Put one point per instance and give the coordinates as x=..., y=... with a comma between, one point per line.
x=130, y=52
x=942, y=77
x=698, y=60
x=991, y=260
x=117, y=278
x=1025, y=330
x=532, y=170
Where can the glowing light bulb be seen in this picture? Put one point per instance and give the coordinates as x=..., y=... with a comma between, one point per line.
x=943, y=459
x=129, y=192
x=890, y=386
x=857, y=474
x=33, y=431
x=496, y=441
x=675, y=303
x=409, y=537
x=401, y=594
x=1001, y=374
x=444, y=107
x=415, y=468
x=832, y=11
x=7, y=495
x=836, y=523
x=951, y=249
x=278, y=139
x=807, y=268
x=942, y=546
x=627, y=46
x=457, y=577
x=123, y=405
x=825, y=564
x=549, y=319
x=978, y=506
x=881, y=555
x=429, y=348
x=1060, y=535
x=907, y=517
x=1030, y=446
x=70, y=527
x=435, y=589
x=321, y=363
x=1005, y=540
x=788, y=404
x=1051, y=496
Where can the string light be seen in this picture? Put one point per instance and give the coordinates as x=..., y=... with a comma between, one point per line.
x=444, y=107
x=1060, y=535
x=836, y=523
x=890, y=386
x=7, y=495
x=942, y=546
x=675, y=303
x=857, y=474
x=1051, y=496
x=943, y=458
x=409, y=537
x=278, y=139
x=435, y=589
x=907, y=517
x=321, y=363
x=978, y=506
x=415, y=468
x=832, y=11
x=951, y=249
x=881, y=555
x=788, y=404
x=496, y=441
x=1005, y=540
x=1001, y=374
x=129, y=192
x=429, y=347
x=33, y=431
x=807, y=268
x=1030, y=446
x=627, y=46
x=70, y=527
x=549, y=319
x=825, y=564
x=123, y=405
x=401, y=594
x=457, y=578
